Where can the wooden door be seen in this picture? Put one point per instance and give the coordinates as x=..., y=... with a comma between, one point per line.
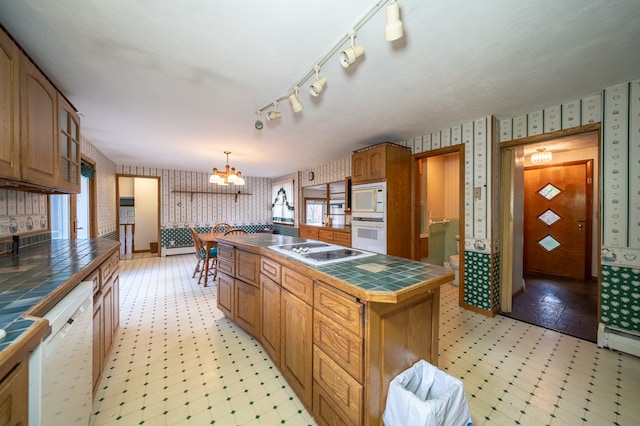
x=557, y=219
x=39, y=118
x=9, y=109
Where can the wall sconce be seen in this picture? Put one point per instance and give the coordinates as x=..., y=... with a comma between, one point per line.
x=349, y=55
x=318, y=85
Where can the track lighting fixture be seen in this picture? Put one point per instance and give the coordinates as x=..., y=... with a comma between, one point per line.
x=349, y=55
x=296, y=105
x=275, y=114
x=394, y=28
x=318, y=84
x=259, y=124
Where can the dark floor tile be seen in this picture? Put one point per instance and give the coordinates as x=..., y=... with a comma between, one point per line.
x=568, y=306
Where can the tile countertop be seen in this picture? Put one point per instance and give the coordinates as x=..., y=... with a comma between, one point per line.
x=379, y=278
x=41, y=275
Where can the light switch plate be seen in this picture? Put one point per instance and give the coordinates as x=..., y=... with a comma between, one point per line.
x=477, y=192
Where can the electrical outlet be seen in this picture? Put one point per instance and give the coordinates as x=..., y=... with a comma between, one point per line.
x=172, y=243
x=477, y=192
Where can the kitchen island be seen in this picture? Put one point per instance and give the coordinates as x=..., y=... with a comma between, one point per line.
x=338, y=332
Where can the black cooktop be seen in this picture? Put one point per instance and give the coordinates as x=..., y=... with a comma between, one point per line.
x=333, y=254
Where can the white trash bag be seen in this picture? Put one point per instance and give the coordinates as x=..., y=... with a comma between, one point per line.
x=425, y=395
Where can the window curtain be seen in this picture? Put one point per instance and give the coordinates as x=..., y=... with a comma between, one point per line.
x=282, y=206
x=87, y=170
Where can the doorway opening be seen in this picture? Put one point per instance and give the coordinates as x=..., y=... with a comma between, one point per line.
x=550, y=232
x=439, y=210
x=138, y=215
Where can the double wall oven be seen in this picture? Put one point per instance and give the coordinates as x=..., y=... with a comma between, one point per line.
x=368, y=217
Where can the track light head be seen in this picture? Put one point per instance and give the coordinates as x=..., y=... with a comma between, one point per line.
x=349, y=55
x=296, y=105
x=394, y=28
x=318, y=86
x=275, y=114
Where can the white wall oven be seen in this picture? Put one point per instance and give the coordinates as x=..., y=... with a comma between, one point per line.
x=368, y=217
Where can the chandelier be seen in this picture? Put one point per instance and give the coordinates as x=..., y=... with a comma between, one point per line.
x=228, y=176
x=541, y=156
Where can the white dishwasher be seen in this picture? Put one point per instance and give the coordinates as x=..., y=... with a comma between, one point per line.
x=60, y=371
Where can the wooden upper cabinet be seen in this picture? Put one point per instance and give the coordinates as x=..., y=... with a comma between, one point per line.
x=369, y=164
x=9, y=109
x=68, y=146
x=38, y=98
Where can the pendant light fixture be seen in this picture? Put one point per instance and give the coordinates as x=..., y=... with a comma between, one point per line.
x=541, y=156
x=228, y=176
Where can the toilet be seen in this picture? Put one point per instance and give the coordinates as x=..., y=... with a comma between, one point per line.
x=454, y=262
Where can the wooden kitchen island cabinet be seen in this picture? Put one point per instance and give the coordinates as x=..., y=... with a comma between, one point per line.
x=337, y=341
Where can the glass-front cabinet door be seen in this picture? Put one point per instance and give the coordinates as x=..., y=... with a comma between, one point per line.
x=69, y=146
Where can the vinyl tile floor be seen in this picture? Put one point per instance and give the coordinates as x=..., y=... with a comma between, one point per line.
x=178, y=361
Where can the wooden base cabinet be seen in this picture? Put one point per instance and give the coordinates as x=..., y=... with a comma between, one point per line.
x=106, y=313
x=14, y=396
x=296, y=353
x=337, y=352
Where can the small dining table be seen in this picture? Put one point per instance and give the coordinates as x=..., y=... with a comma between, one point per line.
x=208, y=241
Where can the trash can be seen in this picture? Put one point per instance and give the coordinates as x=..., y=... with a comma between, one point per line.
x=153, y=247
x=425, y=395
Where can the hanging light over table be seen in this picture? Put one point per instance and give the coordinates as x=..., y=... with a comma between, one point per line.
x=228, y=176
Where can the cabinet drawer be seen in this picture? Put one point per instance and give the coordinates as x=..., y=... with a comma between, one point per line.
x=94, y=277
x=344, y=347
x=340, y=307
x=343, y=389
x=298, y=284
x=270, y=268
x=226, y=252
x=342, y=238
x=325, y=410
x=114, y=260
x=325, y=235
x=227, y=267
x=106, y=270
x=248, y=267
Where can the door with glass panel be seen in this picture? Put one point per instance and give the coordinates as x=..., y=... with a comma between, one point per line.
x=557, y=219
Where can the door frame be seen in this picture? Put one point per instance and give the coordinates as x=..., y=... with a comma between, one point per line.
x=93, y=200
x=415, y=231
x=507, y=243
x=157, y=178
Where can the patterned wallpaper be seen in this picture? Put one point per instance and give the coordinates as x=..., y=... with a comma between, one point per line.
x=105, y=188
x=22, y=212
x=188, y=199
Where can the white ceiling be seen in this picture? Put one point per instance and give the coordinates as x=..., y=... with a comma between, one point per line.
x=172, y=84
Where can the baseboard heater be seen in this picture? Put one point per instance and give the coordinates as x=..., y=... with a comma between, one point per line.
x=170, y=251
x=619, y=340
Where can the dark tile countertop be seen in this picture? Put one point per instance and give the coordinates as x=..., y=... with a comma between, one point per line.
x=41, y=275
x=377, y=278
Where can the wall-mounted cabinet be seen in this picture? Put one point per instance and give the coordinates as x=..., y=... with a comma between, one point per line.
x=32, y=113
x=9, y=108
